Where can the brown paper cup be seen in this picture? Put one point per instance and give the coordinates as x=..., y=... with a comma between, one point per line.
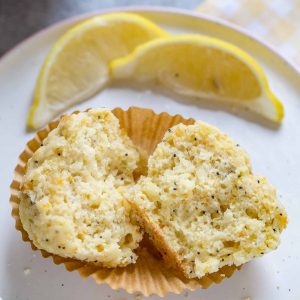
x=149, y=275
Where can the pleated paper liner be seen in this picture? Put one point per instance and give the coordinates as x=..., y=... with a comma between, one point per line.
x=149, y=275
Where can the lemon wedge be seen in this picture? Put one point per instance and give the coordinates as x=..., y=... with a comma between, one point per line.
x=201, y=66
x=77, y=65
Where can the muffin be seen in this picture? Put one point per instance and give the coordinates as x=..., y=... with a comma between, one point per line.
x=72, y=202
x=201, y=204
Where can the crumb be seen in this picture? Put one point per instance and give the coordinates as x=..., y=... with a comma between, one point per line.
x=27, y=271
x=186, y=294
x=138, y=297
x=247, y=298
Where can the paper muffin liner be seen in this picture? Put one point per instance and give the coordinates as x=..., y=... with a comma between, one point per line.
x=149, y=275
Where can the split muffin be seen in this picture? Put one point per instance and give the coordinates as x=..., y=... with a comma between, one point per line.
x=201, y=204
x=72, y=202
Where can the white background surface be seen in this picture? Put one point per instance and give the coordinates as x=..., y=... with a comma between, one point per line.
x=274, y=152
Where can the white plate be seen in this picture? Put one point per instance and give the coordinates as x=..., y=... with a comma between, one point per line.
x=274, y=153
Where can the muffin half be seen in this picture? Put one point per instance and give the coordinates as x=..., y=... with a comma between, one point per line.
x=201, y=204
x=72, y=200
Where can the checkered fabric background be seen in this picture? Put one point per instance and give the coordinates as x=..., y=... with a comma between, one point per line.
x=275, y=21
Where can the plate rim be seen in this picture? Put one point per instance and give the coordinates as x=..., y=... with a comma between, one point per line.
x=148, y=8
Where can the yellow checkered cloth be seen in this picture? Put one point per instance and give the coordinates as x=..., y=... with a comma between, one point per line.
x=275, y=21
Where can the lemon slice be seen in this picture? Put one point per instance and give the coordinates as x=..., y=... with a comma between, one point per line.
x=205, y=67
x=77, y=65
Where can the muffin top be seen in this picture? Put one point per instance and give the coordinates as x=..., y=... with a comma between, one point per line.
x=72, y=200
x=203, y=206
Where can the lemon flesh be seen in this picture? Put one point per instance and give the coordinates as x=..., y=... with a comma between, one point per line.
x=200, y=66
x=77, y=65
